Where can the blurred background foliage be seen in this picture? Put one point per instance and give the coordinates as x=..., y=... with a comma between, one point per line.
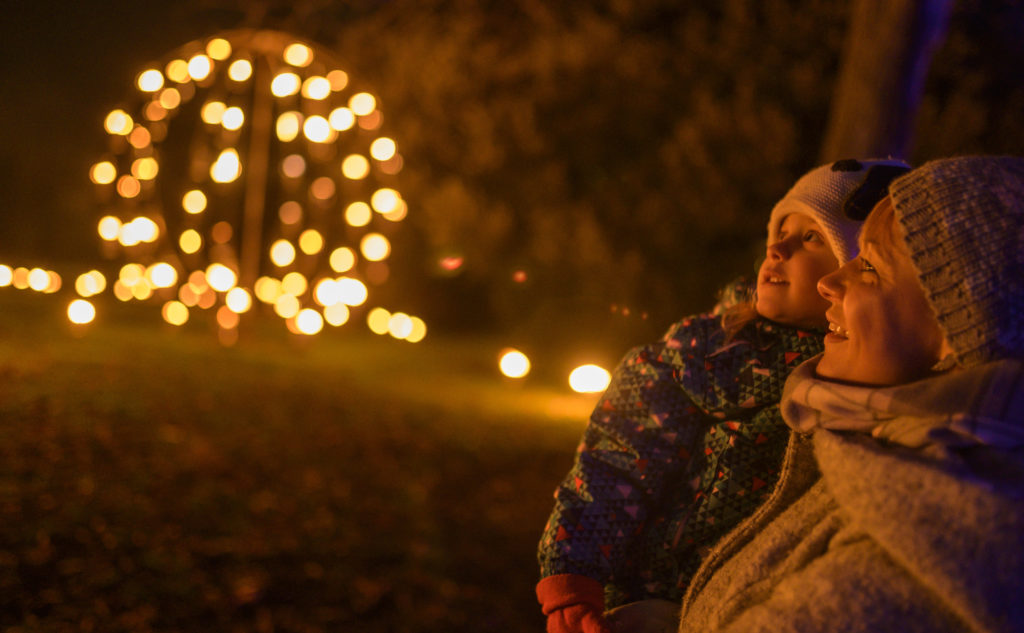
x=624, y=154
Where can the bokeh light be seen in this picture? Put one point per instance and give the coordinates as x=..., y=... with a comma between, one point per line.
x=81, y=311
x=589, y=379
x=513, y=363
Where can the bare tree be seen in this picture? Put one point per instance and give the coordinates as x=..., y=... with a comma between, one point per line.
x=885, y=60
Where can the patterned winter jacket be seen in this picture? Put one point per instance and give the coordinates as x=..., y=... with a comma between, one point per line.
x=686, y=442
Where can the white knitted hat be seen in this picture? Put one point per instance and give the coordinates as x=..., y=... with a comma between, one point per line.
x=838, y=196
x=963, y=221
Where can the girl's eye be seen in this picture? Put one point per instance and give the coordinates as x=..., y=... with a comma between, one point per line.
x=865, y=266
x=814, y=236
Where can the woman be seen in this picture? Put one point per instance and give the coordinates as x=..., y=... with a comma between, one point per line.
x=901, y=503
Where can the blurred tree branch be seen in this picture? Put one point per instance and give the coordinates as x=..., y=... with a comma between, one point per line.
x=888, y=50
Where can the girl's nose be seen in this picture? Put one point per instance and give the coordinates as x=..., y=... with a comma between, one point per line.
x=778, y=250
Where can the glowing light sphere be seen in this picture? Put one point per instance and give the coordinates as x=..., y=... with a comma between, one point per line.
x=309, y=321
x=90, y=283
x=358, y=214
x=250, y=214
x=81, y=312
x=103, y=173
x=282, y=253
x=238, y=300
x=38, y=279
x=220, y=277
x=199, y=67
x=6, y=275
x=355, y=167
x=118, y=122
x=382, y=148
x=316, y=88
x=150, y=80
x=513, y=363
x=227, y=167
x=233, y=118
x=342, y=259
x=589, y=379
x=362, y=103
x=175, y=312
x=240, y=70
x=418, y=332
x=109, y=228
x=285, y=85
x=375, y=247
x=378, y=320
x=194, y=201
x=298, y=54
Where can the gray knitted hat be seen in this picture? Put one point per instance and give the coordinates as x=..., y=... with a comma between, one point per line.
x=838, y=196
x=963, y=220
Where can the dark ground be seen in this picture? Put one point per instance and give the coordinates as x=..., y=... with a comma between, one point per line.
x=151, y=480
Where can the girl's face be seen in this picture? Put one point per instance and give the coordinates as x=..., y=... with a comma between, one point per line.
x=881, y=329
x=787, y=282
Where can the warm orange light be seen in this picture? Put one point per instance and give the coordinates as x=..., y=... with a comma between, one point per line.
x=267, y=289
x=589, y=379
x=336, y=314
x=227, y=167
x=309, y=321
x=170, y=98
x=233, y=118
x=288, y=126
x=109, y=228
x=118, y=122
x=6, y=275
x=316, y=88
x=294, y=283
x=227, y=318
x=177, y=71
x=140, y=137
x=213, y=112
x=293, y=165
x=238, y=300
x=342, y=259
x=322, y=188
x=221, y=232
x=290, y=212
x=375, y=247
x=286, y=306
x=352, y=291
x=194, y=201
x=220, y=277
x=103, y=173
x=362, y=103
x=90, y=283
x=175, y=312
x=282, y=253
x=240, y=70
x=419, y=331
x=358, y=214
x=190, y=241
x=355, y=167
x=199, y=67
x=145, y=168
x=298, y=54
x=81, y=312
x=218, y=48
x=326, y=292
x=378, y=320
x=338, y=79
x=162, y=275
x=150, y=80
x=382, y=148
x=285, y=85
x=128, y=186
x=513, y=363
x=317, y=129
x=38, y=279
x=311, y=242
x=341, y=119
x=385, y=200
x=400, y=325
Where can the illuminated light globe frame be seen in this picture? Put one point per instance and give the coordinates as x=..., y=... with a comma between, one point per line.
x=247, y=170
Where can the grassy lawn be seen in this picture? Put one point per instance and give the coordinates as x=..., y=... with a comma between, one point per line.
x=151, y=480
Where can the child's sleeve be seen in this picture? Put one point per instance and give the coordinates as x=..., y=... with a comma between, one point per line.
x=638, y=439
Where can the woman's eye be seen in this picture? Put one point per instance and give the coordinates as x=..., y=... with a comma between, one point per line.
x=814, y=236
x=866, y=267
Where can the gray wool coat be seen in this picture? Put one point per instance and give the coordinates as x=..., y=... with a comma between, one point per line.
x=862, y=535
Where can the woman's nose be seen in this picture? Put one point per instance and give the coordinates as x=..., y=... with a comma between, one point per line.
x=830, y=286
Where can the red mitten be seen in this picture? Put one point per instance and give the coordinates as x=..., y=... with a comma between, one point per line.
x=573, y=604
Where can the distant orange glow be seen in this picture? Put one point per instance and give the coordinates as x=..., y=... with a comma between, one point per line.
x=452, y=263
x=298, y=55
x=513, y=363
x=589, y=379
x=81, y=312
x=150, y=80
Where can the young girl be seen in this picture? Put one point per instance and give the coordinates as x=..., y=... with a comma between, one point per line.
x=688, y=439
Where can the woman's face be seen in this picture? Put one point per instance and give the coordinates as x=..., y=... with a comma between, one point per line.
x=881, y=329
x=787, y=282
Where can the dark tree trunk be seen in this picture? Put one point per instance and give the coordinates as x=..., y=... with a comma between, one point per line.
x=888, y=50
